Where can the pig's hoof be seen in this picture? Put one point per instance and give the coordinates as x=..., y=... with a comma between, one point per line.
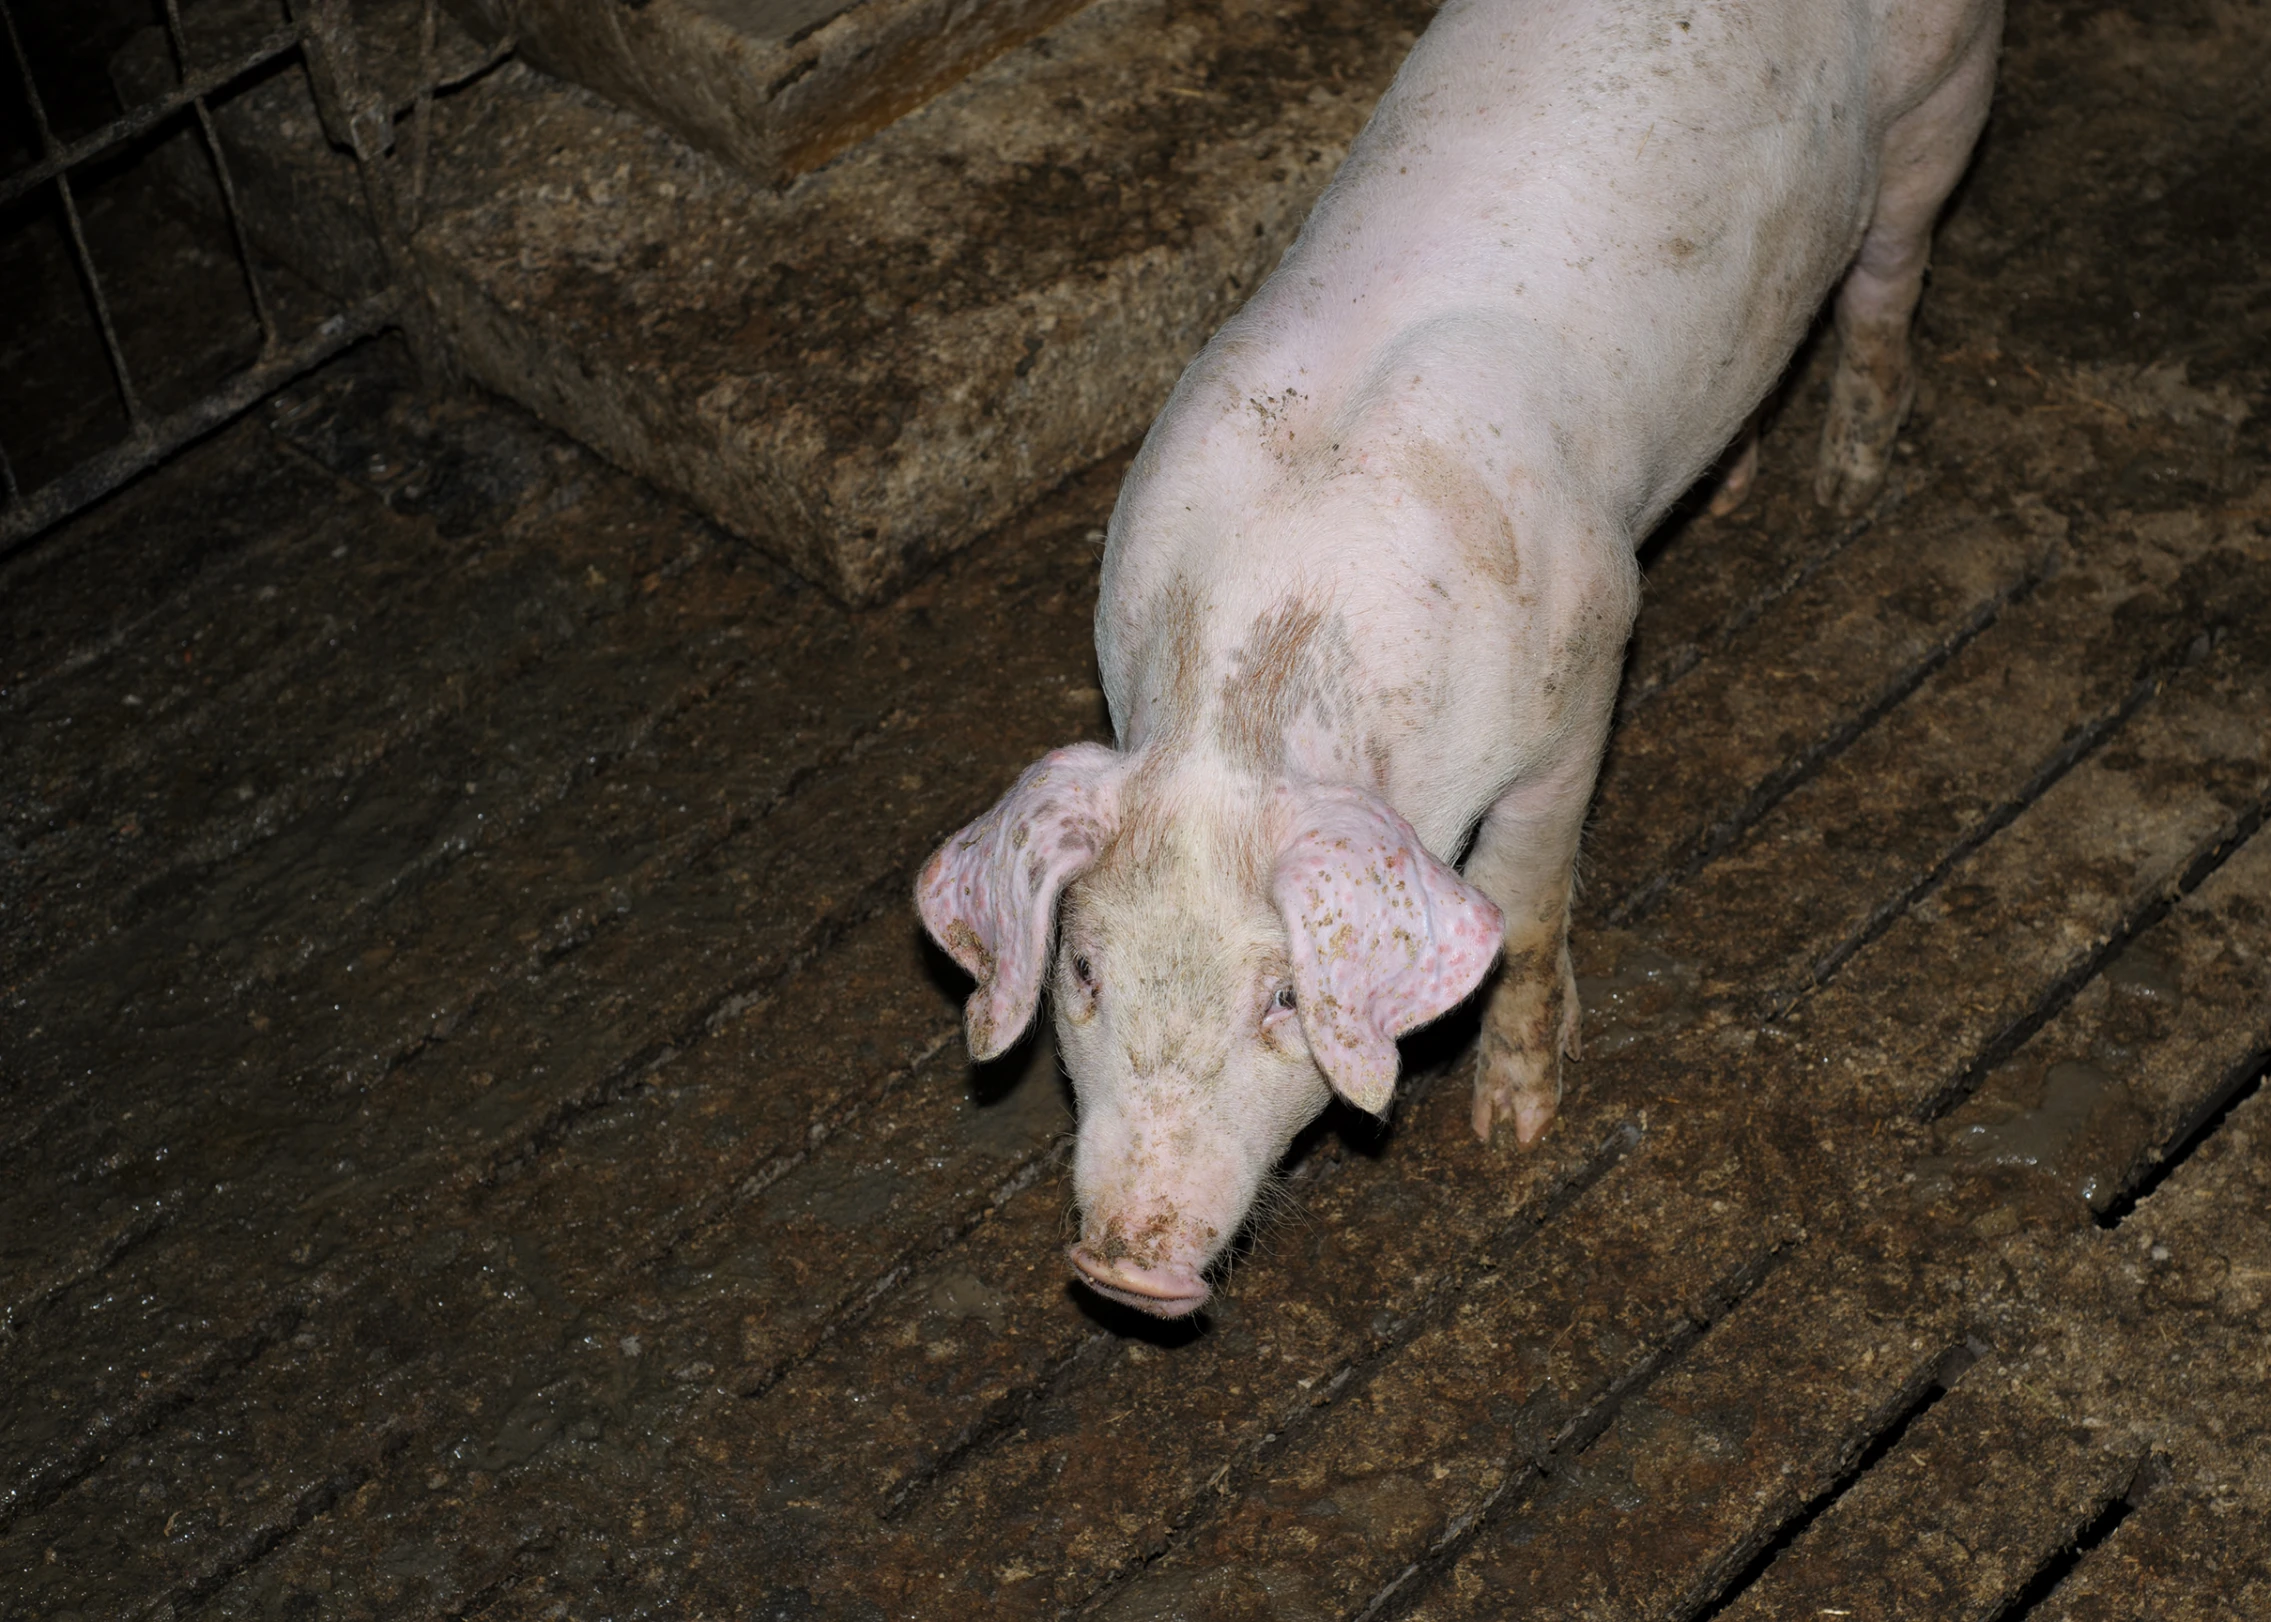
x=1735, y=483
x=1522, y=1089
x=1846, y=485
x=1530, y=1025
x=1865, y=415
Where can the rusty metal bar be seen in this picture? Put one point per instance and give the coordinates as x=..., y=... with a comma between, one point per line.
x=86, y=261
x=154, y=441
x=360, y=119
x=150, y=114
x=422, y=109
x=492, y=58
x=229, y=204
x=352, y=117
x=101, y=301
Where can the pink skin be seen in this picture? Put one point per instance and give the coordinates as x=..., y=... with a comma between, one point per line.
x=1384, y=937
x=989, y=895
x=1146, y=1233
x=1174, y=1291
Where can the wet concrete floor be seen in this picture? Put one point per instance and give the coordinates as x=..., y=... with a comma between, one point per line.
x=485, y=1137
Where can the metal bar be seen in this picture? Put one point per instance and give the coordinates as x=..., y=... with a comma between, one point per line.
x=229, y=204
x=353, y=112
x=489, y=60
x=422, y=109
x=355, y=116
x=431, y=84
x=101, y=302
x=124, y=128
x=154, y=441
x=24, y=72
x=352, y=117
x=79, y=251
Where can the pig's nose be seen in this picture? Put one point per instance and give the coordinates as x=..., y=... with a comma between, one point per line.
x=1164, y=1292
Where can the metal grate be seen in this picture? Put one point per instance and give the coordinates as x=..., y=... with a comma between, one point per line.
x=320, y=39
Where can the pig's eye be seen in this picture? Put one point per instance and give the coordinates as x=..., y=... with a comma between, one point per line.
x=1083, y=970
x=1282, y=1003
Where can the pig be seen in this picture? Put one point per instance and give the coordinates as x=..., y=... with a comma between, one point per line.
x=1368, y=583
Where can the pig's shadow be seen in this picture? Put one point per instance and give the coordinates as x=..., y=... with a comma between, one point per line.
x=992, y=1082
x=1168, y=1334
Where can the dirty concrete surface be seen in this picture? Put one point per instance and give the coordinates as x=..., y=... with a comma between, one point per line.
x=866, y=370
x=776, y=87
x=487, y=1139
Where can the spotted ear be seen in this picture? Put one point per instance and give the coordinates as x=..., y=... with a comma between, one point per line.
x=989, y=896
x=1384, y=937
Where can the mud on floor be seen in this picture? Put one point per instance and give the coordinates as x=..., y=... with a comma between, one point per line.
x=488, y=1140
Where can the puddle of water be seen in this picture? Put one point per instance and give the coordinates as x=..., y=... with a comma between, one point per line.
x=2042, y=1137
x=2070, y=1092
x=531, y=1425
x=1011, y=1123
x=843, y=1197
x=965, y=1295
x=1645, y=996
x=2143, y=974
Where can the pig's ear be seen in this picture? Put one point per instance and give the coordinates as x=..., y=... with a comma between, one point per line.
x=1384, y=936
x=990, y=894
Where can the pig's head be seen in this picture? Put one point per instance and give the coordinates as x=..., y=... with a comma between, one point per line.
x=1223, y=964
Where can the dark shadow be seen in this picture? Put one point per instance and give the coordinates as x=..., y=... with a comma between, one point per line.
x=994, y=1080
x=1434, y=1051
x=1697, y=498
x=1168, y=1334
x=990, y=1082
x=946, y=974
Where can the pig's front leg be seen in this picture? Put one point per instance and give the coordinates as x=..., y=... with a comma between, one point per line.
x=1924, y=155
x=1525, y=859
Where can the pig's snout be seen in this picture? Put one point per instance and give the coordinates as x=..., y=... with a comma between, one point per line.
x=1173, y=1290
x=1159, y=1189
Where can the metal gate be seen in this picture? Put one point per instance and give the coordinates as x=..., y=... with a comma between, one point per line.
x=388, y=140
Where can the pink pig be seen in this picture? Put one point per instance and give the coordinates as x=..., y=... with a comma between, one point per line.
x=1368, y=584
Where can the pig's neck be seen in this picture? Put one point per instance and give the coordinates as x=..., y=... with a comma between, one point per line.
x=1242, y=699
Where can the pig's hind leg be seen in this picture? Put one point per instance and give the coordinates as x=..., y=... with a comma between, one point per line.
x=1738, y=469
x=1524, y=859
x=1924, y=155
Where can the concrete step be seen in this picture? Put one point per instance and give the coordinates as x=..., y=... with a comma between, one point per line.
x=774, y=87
x=866, y=370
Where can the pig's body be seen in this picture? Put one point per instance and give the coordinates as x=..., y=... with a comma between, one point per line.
x=1368, y=584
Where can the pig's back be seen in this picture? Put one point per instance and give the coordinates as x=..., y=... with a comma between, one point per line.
x=1629, y=209
x=1568, y=256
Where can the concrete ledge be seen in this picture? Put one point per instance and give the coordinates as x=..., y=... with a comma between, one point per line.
x=870, y=369
x=775, y=87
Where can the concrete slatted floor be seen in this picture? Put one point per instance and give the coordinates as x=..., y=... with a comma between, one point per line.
x=485, y=1137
